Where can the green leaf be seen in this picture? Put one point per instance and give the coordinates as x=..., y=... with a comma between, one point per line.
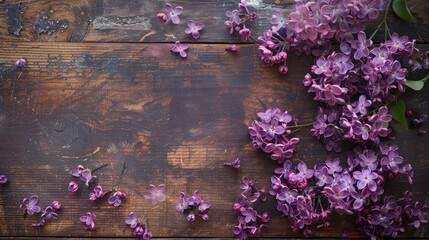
x=400, y=7
x=385, y=124
x=397, y=111
x=415, y=85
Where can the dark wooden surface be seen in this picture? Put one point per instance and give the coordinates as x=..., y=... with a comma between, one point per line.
x=174, y=121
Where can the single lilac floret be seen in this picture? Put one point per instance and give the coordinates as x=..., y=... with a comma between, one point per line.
x=194, y=29
x=180, y=48
x=30, y=205
x=156, y=194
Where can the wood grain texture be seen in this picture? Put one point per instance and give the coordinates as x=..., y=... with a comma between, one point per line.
x=174, y=121
x=135, y=21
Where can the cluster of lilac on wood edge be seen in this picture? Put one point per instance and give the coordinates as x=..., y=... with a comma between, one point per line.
x=359, y=84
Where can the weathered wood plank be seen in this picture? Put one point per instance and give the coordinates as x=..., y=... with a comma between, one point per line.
x=174, y=121
x=135, y=21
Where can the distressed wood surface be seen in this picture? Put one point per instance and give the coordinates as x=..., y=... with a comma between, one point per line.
x=174, y=121
x=135, y=21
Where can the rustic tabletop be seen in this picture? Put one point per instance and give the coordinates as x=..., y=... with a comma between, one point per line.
x=102, y=87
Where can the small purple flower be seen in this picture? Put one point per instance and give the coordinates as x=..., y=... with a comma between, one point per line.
x=235, y=163
x=87, y=177
x=3, y=179
x=98, y=193
x=88, y=221
x=304, y=172
x=139, y=231
x=323, y=176
x=361, y=45
x=205, y=217
x=49, y=214
x=73, y=187
x=396, y=43
x=194, y=29
x=245, y=34
x=56, y=205
x=232, y=48
x=362, y=104
x=77, y=172
x=183, y=204
x=366, y=178
x=190, y=217
x=116, y=198
x=249, y=214
x=162, y=17
x=30, y=205
x=333, y=166
x=20, y=63
x=287, y=195
x=204, y=205
x=132, y=220
x=180, y=48
x=173, y=13
x=156, y=194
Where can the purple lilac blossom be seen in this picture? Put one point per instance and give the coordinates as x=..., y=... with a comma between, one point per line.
x=171, y=14
x=180, y=48
x=3, y=179
x=194, y=29
x=30, y=205
x=234, y=163
x=88, y=221
x=73, y=186
x=117, y=198
x=156, y=194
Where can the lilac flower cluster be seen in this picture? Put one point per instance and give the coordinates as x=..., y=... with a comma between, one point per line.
x=270, y=134
x=249, y=218
x=355, y=190
x=356, y=84
x=193, y=206
x=141, y=230
x=238, y=19
x=30, y=207
x=392, y=216
x=311, y=26
x=419, y=61
x=296, y=199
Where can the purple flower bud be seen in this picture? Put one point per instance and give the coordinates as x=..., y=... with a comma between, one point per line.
x=3, y=179
x=283, y=69
x=252, y=15
x=73, y=187
x=162, y=17
x=190, y=217
x=20, y=63
x=205, y=217
x=56, y=205
x=232, y=48
x=237, y=206
x=292, y=179
x=265, y=218
x=139, y=231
